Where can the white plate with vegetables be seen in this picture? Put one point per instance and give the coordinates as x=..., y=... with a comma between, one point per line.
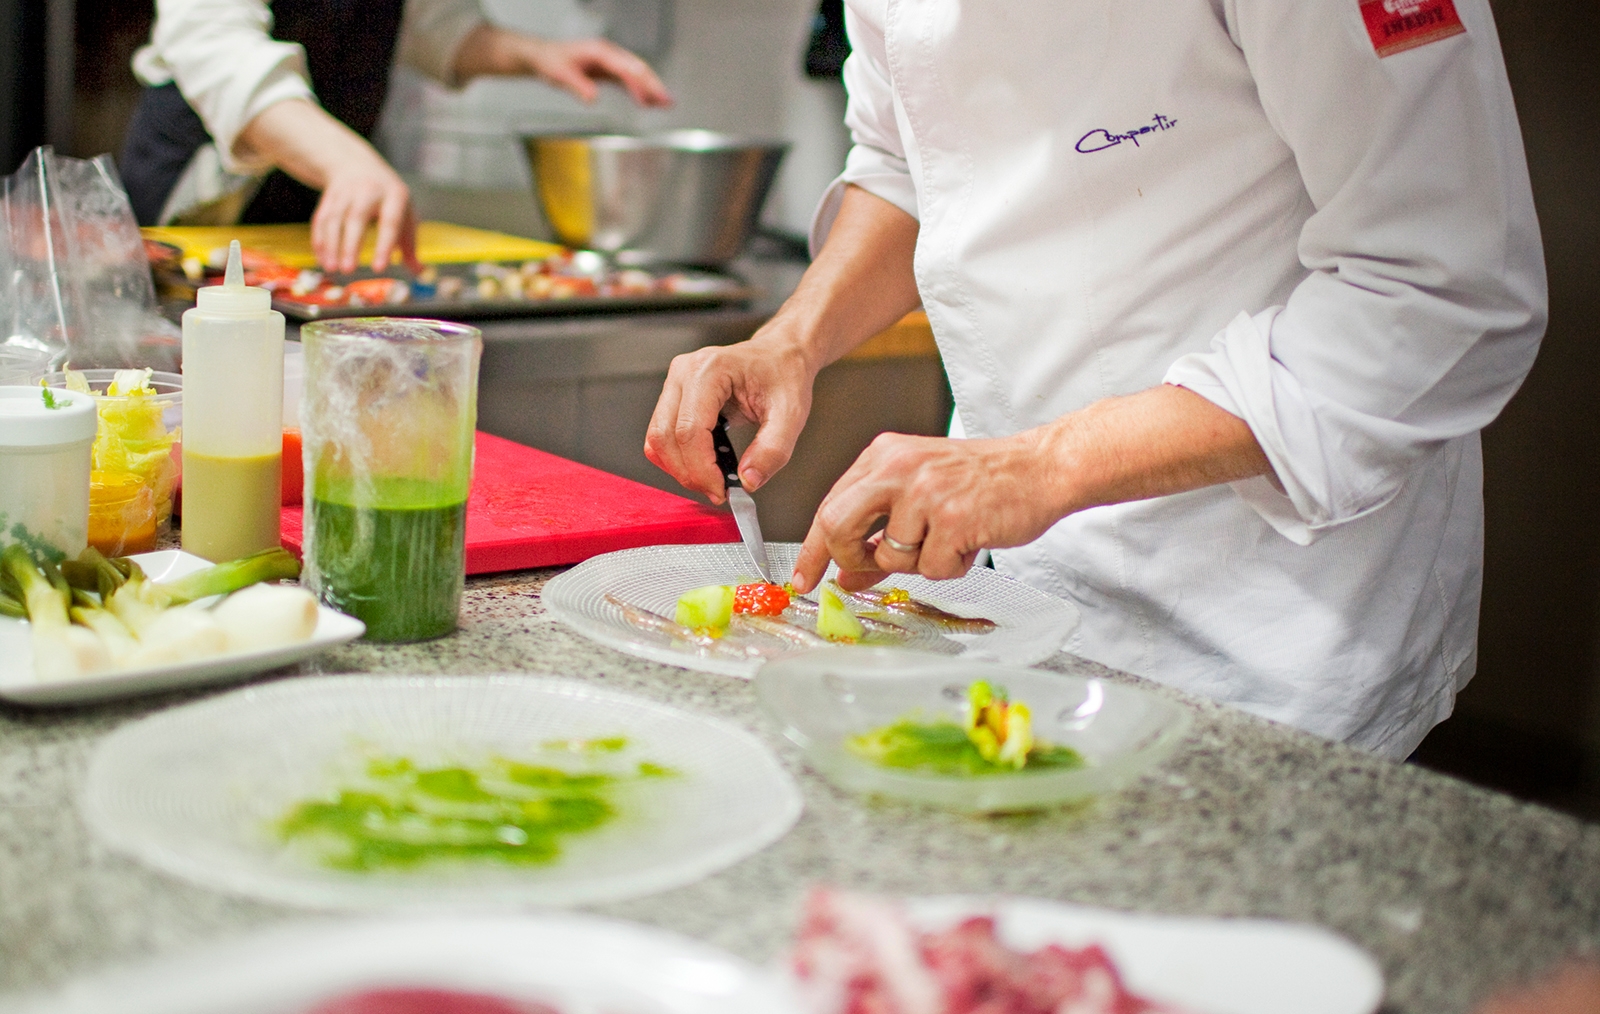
x=670, y=603
x=21, y=682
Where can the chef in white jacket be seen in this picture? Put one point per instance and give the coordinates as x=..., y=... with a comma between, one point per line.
x=1225, y=290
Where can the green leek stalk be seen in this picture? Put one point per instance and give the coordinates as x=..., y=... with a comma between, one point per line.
x=139, y=602
x=60, y=650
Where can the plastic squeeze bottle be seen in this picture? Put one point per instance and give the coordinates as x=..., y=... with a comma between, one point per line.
x=232, y=418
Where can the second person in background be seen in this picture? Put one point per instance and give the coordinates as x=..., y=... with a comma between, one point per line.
x=261, y=113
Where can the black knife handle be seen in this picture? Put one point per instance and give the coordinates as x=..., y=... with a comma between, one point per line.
x=727, y=461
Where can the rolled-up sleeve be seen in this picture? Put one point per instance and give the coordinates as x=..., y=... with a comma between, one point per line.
x=1425, y=299
x=431, y=33
x=877, y=159
x=222, y=57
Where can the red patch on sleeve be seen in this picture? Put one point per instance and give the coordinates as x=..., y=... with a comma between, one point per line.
x=1398, y=25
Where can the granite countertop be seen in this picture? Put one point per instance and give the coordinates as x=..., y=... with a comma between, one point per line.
x=1454, y=889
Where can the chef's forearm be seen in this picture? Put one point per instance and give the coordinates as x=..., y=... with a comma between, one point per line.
x=303, y=140
x=1158, y=442
x=860, y=283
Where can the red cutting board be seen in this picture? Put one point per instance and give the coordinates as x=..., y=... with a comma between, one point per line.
x=529, y=508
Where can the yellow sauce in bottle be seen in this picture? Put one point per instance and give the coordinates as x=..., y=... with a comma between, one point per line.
x=231, y=506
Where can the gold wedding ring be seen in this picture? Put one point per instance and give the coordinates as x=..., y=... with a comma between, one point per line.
x=900, y=547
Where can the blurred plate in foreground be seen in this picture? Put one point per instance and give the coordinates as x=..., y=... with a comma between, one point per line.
x=1206, y=965
x=567, y=963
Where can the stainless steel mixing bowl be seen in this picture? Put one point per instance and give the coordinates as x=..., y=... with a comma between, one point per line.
x=685, y=196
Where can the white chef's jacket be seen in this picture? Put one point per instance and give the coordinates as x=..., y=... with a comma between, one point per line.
x=1243, y=198
x=227, y=65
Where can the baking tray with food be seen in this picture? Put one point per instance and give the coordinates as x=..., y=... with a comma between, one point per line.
x=561, y=283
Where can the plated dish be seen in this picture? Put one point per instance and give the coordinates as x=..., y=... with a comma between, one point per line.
x=572, y=964
x=20, y=685
x=205, y=792
x=1198, y=965
x=836, y=702
x=593, y=598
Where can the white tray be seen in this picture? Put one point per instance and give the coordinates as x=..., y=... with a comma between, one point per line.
x=19, y=685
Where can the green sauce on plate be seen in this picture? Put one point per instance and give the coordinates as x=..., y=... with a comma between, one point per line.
x=944, y=748
x=503, y=811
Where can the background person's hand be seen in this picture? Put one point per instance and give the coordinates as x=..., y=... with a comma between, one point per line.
x=358, y=186
x=766, y=380
x=360, y=191
x=576, y=65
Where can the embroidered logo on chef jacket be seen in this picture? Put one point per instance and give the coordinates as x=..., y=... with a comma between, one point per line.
x=1398, y=25
x=1099, y=139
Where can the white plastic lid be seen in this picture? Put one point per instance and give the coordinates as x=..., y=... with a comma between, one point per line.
x=27, y=421
x=233, y=297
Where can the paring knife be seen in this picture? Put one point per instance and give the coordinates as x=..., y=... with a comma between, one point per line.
x=744, y=507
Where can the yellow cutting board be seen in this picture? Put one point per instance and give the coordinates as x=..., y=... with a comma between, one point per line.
x=437, y=243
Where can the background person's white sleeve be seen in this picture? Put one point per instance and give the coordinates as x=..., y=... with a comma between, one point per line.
x=227, y=65
x=877, y=159
x=1426, y=297
x=431, y=32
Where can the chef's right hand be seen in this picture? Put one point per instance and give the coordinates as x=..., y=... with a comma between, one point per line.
x=766, y=380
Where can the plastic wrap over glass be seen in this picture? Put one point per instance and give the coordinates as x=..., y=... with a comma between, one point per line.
x=74, y=278
x=387, y=422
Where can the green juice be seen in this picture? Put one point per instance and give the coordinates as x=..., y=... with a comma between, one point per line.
x=398, y=568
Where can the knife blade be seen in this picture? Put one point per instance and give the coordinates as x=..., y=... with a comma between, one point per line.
x=744, y=506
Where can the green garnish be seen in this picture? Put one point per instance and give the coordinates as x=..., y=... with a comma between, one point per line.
x=504, y=811
x=50, y=399
x=995, y=737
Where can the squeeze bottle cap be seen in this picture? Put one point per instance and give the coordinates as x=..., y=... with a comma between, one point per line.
x=233, y=297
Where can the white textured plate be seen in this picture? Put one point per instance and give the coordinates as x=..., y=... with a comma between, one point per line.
x=1032, y=625
x=194, y=790
x=1210, y=966
x=19, y=685
x=578, y=964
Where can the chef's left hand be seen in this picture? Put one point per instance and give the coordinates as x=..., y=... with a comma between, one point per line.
x=576, y=65
x=945, y=499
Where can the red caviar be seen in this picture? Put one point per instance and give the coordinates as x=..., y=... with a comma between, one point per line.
x=760, y=599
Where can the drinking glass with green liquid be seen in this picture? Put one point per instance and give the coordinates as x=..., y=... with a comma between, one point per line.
x=387, y=425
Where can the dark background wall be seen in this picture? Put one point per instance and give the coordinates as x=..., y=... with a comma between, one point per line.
x=1530, y=722
x=22, y=79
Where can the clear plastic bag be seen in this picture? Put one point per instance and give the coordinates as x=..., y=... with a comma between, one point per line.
x=74, y=278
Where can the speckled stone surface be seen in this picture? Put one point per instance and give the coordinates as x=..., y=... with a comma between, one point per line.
x=1454, y=889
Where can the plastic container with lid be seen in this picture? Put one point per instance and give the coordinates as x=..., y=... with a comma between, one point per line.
x=45, y=437
x=232, y=419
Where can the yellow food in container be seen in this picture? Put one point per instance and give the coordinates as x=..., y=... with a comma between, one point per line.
x=122, y=513
x=135, y=458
